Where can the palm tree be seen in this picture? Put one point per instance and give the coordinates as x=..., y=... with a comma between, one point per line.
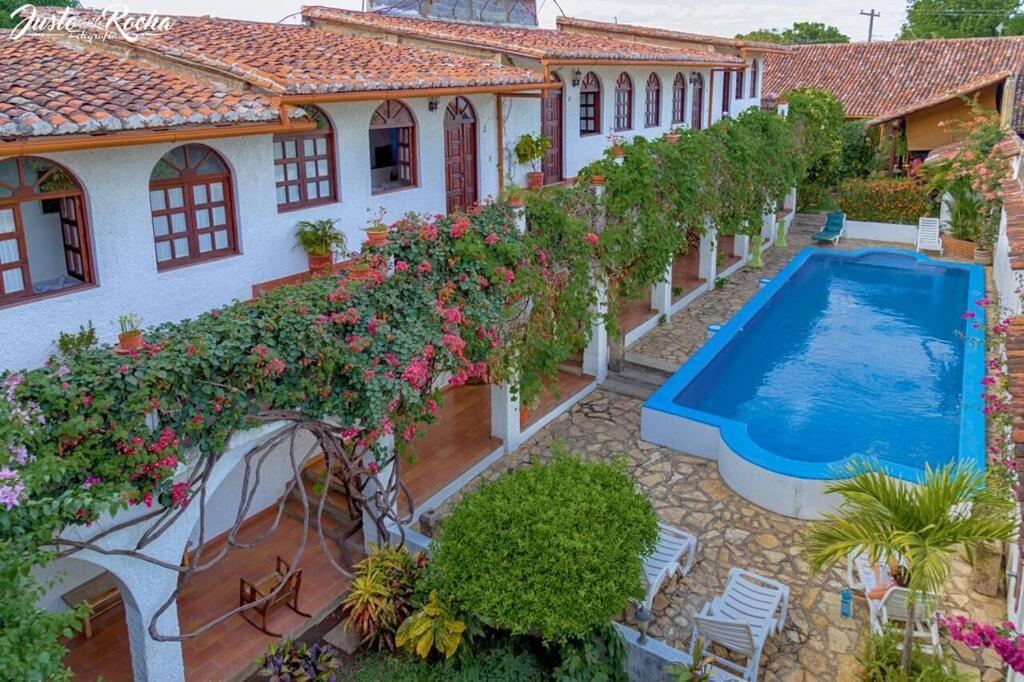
x=950, y=511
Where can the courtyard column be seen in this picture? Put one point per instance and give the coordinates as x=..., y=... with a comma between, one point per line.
x=595, y=355
x=661, y=293
x=708, y=260
x=505, y=414
x=150, y=587
x=741, y=246
x=380, y=500
x=767, y=229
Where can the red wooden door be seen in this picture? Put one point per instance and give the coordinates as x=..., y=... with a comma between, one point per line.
x=551, y=127
x=71, y=235
x=460, y=155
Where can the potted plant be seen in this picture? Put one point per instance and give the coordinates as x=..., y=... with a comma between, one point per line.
x=130, y=337
x=319, y=238
x=616, y=142
x=377, y=232
x=358, y=268
x=531, y=149
x=515, y=198
x=673, y=136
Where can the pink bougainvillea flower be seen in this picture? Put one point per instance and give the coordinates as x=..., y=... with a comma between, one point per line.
x=592, y=238
x=969, y=315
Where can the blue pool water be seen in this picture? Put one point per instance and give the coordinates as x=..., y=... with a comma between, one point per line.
x=846, y=355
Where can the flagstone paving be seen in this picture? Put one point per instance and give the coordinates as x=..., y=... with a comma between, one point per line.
x=817, y=644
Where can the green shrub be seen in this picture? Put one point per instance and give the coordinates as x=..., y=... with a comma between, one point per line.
x=553, y=549
x=884, y=200
x=500, y=664
x=880, y=661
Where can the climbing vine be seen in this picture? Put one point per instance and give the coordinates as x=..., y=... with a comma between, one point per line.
x=349, y=362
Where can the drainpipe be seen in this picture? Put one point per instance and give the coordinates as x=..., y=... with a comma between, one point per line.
x=500, y=128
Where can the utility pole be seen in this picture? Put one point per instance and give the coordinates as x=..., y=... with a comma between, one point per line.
x=871, y=21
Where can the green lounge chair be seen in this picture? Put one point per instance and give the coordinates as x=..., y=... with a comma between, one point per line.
x=835, y=225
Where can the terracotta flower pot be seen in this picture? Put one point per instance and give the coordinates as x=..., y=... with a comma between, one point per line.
x=618, y=151
x=377, y=237
x=597, y=180
x=128, y=341
x=534, y=181
x=319, y=263
x=673, y=138
x=516, y=201
x=960, y=248
x=983, y=256
x=359, y=271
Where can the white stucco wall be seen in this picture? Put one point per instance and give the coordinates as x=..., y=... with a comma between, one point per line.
x=116, y=184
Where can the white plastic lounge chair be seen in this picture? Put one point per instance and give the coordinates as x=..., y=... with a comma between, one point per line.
x=751, y=609
x=928, y=235
x=674, y=553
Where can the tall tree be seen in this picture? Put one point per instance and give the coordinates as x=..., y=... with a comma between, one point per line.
x=801, y=33
x=962, y=19
x=8, y=7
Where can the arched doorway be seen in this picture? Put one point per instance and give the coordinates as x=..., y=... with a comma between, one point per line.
x=697, y=105
x=551, y=127
x=460, y=154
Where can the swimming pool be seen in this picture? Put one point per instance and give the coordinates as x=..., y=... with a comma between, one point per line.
x=844, y=354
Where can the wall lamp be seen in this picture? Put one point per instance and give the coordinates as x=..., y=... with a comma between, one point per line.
x=576, y=77
x=433, y=104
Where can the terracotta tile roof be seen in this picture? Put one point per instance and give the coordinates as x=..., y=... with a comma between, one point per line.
x=1015, y=371
x=964, y=90
x=634, y=31
x=48, y=88
x=536, y=43
x=292, y=59
x=875, y=79
x=1013, y=204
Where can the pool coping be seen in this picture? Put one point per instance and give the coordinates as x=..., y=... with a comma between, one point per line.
x=733, y=434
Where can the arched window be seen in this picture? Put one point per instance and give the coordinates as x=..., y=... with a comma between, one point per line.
x=697, y=103
x=624, y=102
x=679, y=99
x=652, y=112
x=304, y=165
x=739, y=84
x=43, y=237
x=392, y=147
x=590, y=105
x=753, y=78
x=190, y=199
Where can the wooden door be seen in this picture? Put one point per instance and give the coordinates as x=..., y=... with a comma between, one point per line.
x=697, y=105
x=551, y=127
x=71, y=234
x=460, y=155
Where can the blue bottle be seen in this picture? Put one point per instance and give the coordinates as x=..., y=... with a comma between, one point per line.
x=846, y=604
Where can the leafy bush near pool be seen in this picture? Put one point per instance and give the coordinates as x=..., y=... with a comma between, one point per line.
x=880, y=661
x=553, y=549
x=504, y=663
x=884, y=200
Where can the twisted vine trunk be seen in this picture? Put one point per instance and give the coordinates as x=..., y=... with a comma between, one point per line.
x=908, y=637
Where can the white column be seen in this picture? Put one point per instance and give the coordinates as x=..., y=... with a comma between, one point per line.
x=505, y=415
x=371, y=534
x=151, y=586
x=595, y=355
x=790, y=200
x=767, y=230
x=519, y=218
x=741, y=246
x=708, y=261
x=661, y=293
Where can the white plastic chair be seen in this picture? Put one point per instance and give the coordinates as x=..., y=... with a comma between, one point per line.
x=751, y=609
x=929, y=235
x=892, y=608
x=674, y=553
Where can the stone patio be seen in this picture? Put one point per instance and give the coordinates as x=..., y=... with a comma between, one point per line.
x=817, y=643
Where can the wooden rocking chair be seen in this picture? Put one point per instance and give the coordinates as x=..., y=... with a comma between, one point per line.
x=288, y=595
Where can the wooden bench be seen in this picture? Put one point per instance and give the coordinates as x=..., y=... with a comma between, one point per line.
x=288, y=595
x=100, y=593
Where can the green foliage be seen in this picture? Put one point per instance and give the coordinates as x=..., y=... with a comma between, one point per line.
x=880, y=661
x=860, y=154
x=531, y=149
x=319, y=237
x=965, y=208
x=381, y=595
x=961, y=19
x=432, y=628
x=818, y=119
x=72, y=344
x=885, y=200
x=9, y=6
x=600, y=656
x=950, y=511
x=801, y=33
x=129, y=323
x=289, y=661
x=553, y=549
x=698, y=670
x=31, y=645
x=503, y=663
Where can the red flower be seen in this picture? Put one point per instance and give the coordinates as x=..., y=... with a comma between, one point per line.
x=591, y=237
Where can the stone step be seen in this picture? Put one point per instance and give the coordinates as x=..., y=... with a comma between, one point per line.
x=650, y=363
x=613, y=384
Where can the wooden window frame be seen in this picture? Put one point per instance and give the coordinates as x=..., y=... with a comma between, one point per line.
x=740, y=89
x=391, y=115
x=301, y=160
x=652, y=105
x=623, y=114
x=726, y=92
x=698, y=119
x=679, y=100
x=753, y=78
x=590, y=105
x=187, y=181
x=28, y=193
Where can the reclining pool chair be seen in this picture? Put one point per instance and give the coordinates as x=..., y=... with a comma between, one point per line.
x=929, y=235
x=751, y=609
x=674, y=553
x=835, y=225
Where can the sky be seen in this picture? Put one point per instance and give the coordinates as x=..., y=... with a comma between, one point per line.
x=716, y=17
